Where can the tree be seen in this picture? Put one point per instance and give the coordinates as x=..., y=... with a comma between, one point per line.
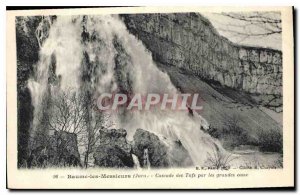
x=71, y=112
x=95, y=122
x=61, y=120
x=67, y=112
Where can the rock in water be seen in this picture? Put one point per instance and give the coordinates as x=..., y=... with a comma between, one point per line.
x=61, y=150
x=157, y=152
x=114, y=150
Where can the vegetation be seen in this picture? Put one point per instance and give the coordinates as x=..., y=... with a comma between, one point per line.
x=233, y=135
x=219, y=160
x=270, y=141
x=68, y=122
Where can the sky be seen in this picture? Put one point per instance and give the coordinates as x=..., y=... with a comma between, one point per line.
x=227, y=26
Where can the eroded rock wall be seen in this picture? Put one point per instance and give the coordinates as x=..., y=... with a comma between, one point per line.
x=189, y=42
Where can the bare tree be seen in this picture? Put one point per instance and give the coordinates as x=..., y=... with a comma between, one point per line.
x=67, y=112
x=95, y=122
x=62, y=120
x=72, y=112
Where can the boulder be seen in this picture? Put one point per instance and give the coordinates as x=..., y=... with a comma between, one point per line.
x=150, y=150
x=114, y=150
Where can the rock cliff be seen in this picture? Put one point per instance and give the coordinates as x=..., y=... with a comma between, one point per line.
x=189, y=42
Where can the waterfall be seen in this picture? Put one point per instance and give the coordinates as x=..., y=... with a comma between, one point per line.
x=146, y=159
x=98, y=54
x=136, y=162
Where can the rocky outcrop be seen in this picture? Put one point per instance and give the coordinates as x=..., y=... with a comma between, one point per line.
x=150, y=151
x=61, y=149
x=189, y=42
x=113, y=150
x=153, y=152
x=123, y=69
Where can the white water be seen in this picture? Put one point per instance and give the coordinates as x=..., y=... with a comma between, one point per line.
x=136, y=162
x=65, y=43
x=146, y=159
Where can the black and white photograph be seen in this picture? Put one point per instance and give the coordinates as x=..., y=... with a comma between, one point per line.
x=151, y=91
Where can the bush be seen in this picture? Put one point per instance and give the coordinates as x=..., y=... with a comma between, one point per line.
x=270, y=141
x=218, y=160
x=214, y=132
x=232, y=134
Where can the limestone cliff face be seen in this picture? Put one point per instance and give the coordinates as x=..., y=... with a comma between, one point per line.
x=189, y=42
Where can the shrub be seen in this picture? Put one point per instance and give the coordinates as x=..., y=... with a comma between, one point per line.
x=214, y=132
x=232, y=134
x=219, y=160
x=270, y=141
